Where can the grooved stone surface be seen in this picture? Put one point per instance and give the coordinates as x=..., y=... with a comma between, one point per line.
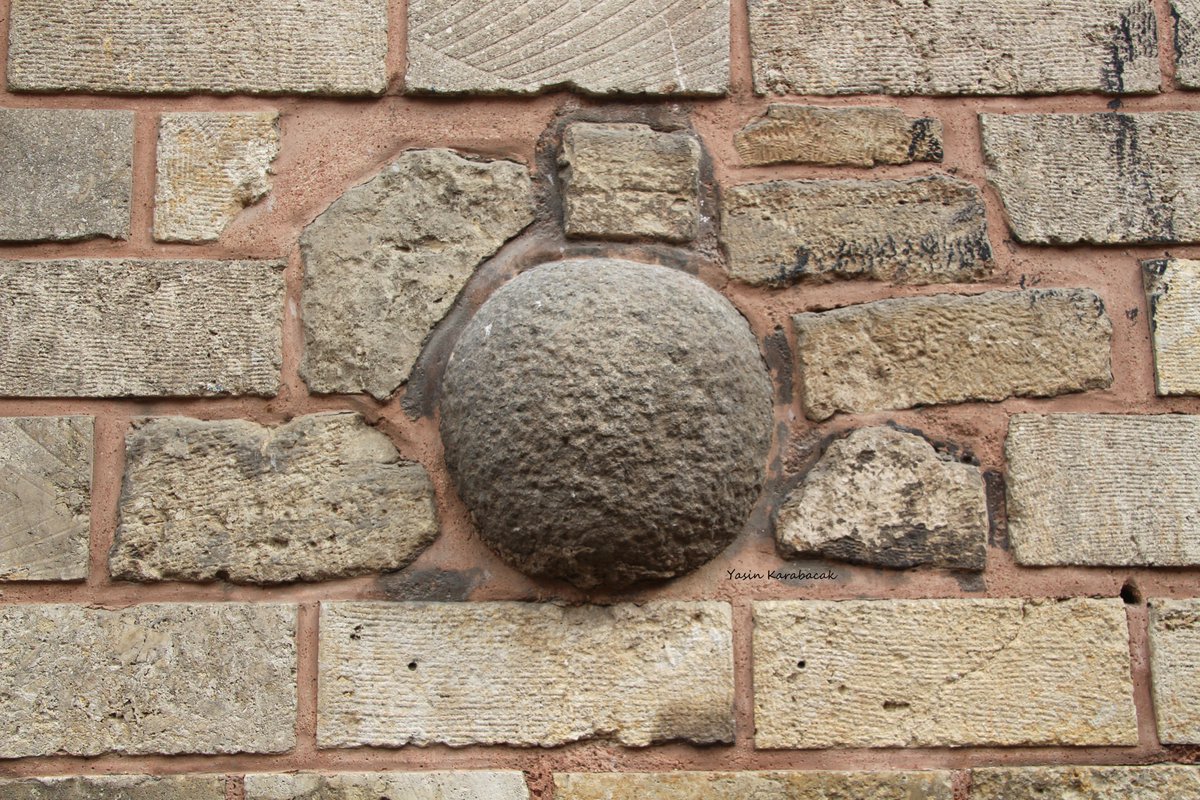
x=324, y=496
x=67, y=174
x=45, y=498
x=524, y=674
x=924, y=230
x=976, y=47
x=210, y=167
x=907, y=352
x=885, y=497
x=757, y=785
x=1159, y=782
x=1098, y=178
x=1186, y=16
x=942, y=673
x=464, y=785
x=1104, y=489
x=581, y=379
x=118, y=328
x=334, y=47
x=625, y=181
x=1174, y=659
x=170, y=678
x=1173, y=294
x=116, y=787
x=860, y=136
x=598, y=47
x=385, y=262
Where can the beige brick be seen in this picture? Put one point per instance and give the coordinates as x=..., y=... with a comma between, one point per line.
x=1173, y=294
x=1186, y=16
x=860, y=136
x=942, y=673
x=524, y=674
x=116, y=787
x=1174, y=659
x=171, y=678
x=756, y=785
x=1158, y=782
x=461, y=785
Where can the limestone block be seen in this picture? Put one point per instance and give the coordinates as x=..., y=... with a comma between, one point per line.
x=861, y=136
x=116, y=787
x=1174, y=656
x=1173, y=294
x=1158, y=782
x=757, y=785
x=461, y=785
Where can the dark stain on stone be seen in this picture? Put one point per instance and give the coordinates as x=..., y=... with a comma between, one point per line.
x=779, y=362
x=1185, y=35
x=971, y=581
x=996, y=493
x=905, y=546
x=924, y=145
x=1138, y=181
x=1135, y=36
x=1131, y=314
x=431, y=584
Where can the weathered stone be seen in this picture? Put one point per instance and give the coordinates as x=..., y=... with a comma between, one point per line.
x=67, y=174
x=171, y=678
x=474, y=785
x=210, y=167
x=1104, y=489
x=323, y=496
x=334, y=47
x=117, y=328
x=45, y=498
x=1173, y=294
x=885, y=497
x=524, y=674
x=602, y=47
x=581, y=379
x=626, y=181
x=914, y=351
x=924, y=230
x=757, y=785
x=861, y=136
x=384, y=263
x=116, y=787
x=1186, y=16
x=1174, y=654
x=1098, y=178
x=1158, y=782
x=942, y=673
x=976, y=47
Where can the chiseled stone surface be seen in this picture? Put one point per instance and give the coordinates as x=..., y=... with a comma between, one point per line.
x=1186, y=16
x=625, y=181
x=942, y=673
x=524, y=674
x=334, y=47
x=210, y=167
x=825, y=785
x=96, y=328
x=974, y=47
x=67, y=174
x=1173, y=294
x=923, y=230
x=169, y=678
x=116, y=787
x=885, y=497
x=1097, y=178
x=651, y=47
x=460, y=785
x=385, y=262
x=1104, y=489
x=1174, y=654
x=1158, y=782
x=906, y=352
x=323, y=496
x=45, y=498
x=859, y=136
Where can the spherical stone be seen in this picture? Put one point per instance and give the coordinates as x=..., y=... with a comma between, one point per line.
x=607, y=422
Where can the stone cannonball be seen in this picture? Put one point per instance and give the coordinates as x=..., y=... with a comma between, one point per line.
x=606, y=422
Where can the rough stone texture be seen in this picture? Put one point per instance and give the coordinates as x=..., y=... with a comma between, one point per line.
x=976, y=47
x=885, y=497
x=210, y=167
x=118, y=328
x=1173, y=294
x=400, y=785
x=1099, y=178
x=581, y=379
x=938, y=673
x=524, y=674
x=1174, y=656
x=1104, y=489
x=116, y=787
x=924, y=230
x=172, y=678
x=914, y=351
x=45, y=498
x=323, y=496
x=67, y=174
x=1159, y=782
x=384, y=263
x=1186, y=16
x=601, y=47
x=861, y=136
x=625, y=181
x=756, y=785
x=334, y=47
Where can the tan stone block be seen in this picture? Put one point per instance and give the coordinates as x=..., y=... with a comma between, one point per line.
x=116, y=787
x=1186, y=16
x=861, y=136
x=1158, y=782
x=460, y=785
x=1173, y=294
x=1174, y=660
x=756, y=785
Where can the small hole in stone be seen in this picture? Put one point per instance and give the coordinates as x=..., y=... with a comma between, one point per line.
x=1130, y=593
x=412, y=665
x=801, y=664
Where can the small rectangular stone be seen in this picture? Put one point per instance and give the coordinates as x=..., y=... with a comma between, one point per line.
x=94, y=328
x=972, y=47
x=116, y=787
x=459, y=785
x=1174, y=665
x=908, y=352
x=330, y=47
x=45, y=498
x=524, y=674
x=1173, y=294
x=933, y=785
x=1104, y=489
x=924, y=230
x=1186, y=16
x=860, y=136
x=1158, y=782
x=942, y=673
x=169, y=678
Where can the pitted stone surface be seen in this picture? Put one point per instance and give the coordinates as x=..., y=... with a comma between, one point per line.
x=1174, y=656
x=1158, y=782
x=885, y=497
x=607, y=422
x=465, y=785
x=862, y=136
x=1173, y=294
x=385, y=262
x=323, y=496
x=1186, y=16
x=116, y=787
x=818, y=785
